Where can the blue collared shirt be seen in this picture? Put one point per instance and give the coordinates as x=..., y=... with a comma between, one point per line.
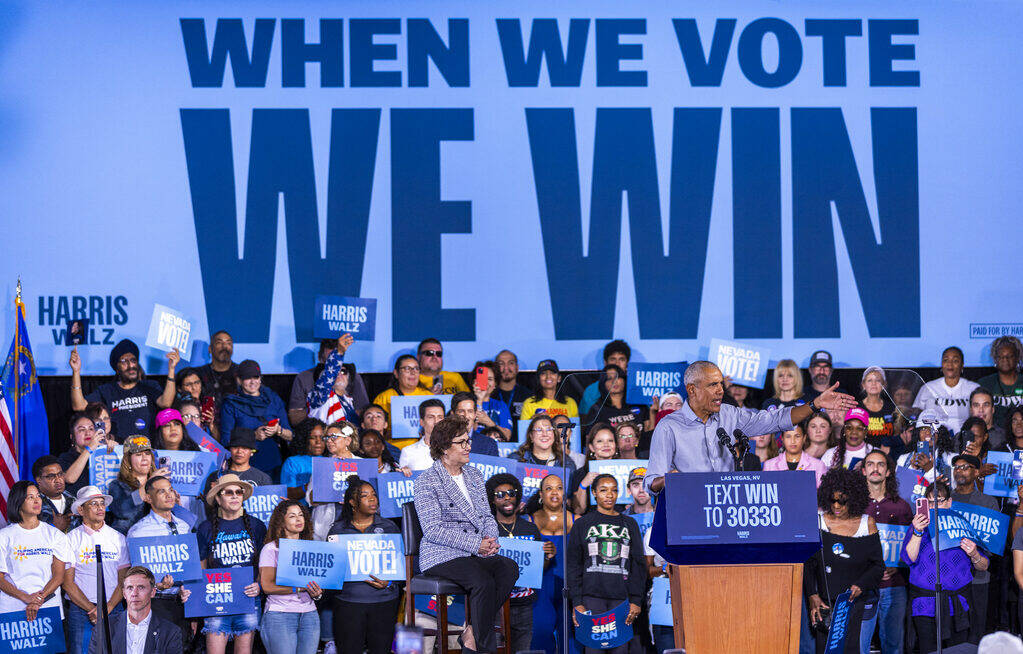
x=682, y=442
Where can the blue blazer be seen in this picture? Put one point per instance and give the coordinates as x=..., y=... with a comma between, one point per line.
x=452, y=527
x=163, y=638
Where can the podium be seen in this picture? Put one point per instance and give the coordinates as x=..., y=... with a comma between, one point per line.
x=737, y=542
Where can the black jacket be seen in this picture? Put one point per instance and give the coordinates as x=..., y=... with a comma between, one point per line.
x=163, y=638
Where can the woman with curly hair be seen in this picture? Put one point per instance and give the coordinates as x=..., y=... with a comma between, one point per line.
x=1005, y=385
x=290, y=624
x=851, y=558
x=298, y=468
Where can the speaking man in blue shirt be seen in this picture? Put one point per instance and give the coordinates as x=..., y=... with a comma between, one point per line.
x=687, y=441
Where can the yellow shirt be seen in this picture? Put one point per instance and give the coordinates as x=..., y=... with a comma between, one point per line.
x=550, y=407
x=451, y=382
x=384, y=399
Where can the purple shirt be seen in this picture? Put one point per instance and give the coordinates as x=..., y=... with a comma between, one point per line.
x=956, y=574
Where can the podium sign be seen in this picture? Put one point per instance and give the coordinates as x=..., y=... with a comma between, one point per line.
x=737, y=517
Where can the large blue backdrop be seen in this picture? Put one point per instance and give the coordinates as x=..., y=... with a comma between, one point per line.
x=542, y=176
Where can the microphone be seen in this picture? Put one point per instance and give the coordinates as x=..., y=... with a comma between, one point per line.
x=741, y=439
x=723, y=438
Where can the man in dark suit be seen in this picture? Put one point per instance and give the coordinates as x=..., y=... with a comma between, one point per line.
x=138, y=630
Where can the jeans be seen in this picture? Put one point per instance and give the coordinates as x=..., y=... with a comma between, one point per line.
x=520, y=631
x=664, y=638
x=79, y=628
x=290, y=633
x=891, y=620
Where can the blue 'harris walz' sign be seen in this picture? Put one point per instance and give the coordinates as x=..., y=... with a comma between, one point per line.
x=177, y=556
x=335, y=316
x=43, y=635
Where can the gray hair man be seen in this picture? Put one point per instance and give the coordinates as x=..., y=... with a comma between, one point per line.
x=686, y=440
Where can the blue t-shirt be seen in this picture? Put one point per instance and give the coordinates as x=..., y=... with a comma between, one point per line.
x=297, y=471
x=233, y=546
x=498, y=412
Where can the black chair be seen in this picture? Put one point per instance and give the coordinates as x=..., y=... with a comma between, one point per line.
x=417, y=583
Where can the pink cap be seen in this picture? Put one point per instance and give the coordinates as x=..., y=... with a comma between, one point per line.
x=168, y=415
x=855, y=413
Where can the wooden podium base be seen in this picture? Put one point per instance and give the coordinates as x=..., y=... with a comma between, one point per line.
x=751, y=609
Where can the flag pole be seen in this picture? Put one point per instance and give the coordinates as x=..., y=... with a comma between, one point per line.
x=17, y=372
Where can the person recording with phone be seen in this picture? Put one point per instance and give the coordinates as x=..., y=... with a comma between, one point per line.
x=258, y=408
x=851, y=559
x=687, y=440
x=957, y=569
x=492, y=412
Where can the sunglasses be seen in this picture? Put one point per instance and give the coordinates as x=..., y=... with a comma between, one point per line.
x=232, y=492
x=432, y=353
x=840, y=500
x=500, y=495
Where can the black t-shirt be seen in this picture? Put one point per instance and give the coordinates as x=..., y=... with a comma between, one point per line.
x=605, y=559
x=513, y=398
x=232, y=546
x=634, y=413
x=882, y=423
x=66, y=460
x=218, y=384
x=524, y=530
x=132, y=410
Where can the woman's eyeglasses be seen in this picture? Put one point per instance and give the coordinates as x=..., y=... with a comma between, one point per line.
x=462, y=443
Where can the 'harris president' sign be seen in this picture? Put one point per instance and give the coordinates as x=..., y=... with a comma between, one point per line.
x=302, y=561
x=330, y=476
x=334, y=316
x=177, y=556
x=372, y=555
x=221, y=591
x=40, y=636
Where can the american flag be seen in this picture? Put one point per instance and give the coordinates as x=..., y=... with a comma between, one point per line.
x=8, y=464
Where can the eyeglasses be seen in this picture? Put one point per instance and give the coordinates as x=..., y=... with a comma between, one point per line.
x=941, y=498
x=842, y=501
x=500, y=495
x=93, y=504
x=963, y=466
x=408, y=369
x=462, y=443
x=53, y=476
x=627, y=436
x=543, y=430
x=432, y=353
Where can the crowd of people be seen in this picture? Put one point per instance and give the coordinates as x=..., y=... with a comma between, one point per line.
x=595, y=542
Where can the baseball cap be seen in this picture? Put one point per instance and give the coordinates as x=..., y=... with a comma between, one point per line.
x=168, y=415
x=821, y=356
x=858, y=413
x=968, y=458
x=248, y=369
x=636, y=473
x=547, y=364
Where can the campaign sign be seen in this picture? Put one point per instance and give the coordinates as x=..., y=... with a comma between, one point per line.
x=745, y=364
x=619, y=469
x=1001, y=483
x=168, y=330
x=575, y=439
x=528, y=554
x=378, y=555
x=177, y=556
x=395, y=489
x=491, y=465
x=206, y=442
x=660, y=603
x=507, y=449
x=839, y=630
x=456, y=607
x=912, y=484
x=604, y=630
x=644, y=520
x=952, y=528
x=330, y=476
x=532, y=475
x=40, y=636
x=1017, y=465
x=405, y=413
x=990, y=525
x=264, y=500
x=335, y=316
x=647, y=380
x=77, y=332
x=892, y=537
x=221, y=591
x=189, y=470
x=104, y=467
x=752, y=516
x=302, y=561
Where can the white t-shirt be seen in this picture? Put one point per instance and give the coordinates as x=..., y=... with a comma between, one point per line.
x=26, y=557
x=460, y=482
x=829, y=457
x=416, y=456
x=949, y=404
x=59, y=503
x=83, y=542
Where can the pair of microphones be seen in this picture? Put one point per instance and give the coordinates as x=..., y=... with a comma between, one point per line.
x=744, y=460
